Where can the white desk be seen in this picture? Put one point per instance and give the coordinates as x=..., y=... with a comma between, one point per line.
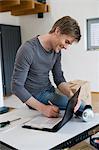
x=27, y=139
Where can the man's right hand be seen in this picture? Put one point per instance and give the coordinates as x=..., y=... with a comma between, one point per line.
x=47, y=110
x=51, y=111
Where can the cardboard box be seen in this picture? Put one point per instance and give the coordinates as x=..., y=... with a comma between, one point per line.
x=85, y=93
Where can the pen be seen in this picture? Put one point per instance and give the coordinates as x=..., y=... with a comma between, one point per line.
x=50, y=103
x=5, y=123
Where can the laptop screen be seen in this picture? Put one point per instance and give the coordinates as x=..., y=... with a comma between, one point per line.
x=70, y=107
x=69, y=111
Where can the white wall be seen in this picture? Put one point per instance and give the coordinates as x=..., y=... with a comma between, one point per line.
x=6, y=18
x=78, y=63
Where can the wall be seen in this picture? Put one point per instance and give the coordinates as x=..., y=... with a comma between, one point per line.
x=6, y=18
x=78, y=63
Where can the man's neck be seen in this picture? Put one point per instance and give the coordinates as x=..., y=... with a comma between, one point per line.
x=45, y=41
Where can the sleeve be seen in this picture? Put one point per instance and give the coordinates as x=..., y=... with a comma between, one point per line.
x=57, y=71
x=23, y=61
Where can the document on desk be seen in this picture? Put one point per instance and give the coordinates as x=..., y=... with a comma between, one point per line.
x=41, y=121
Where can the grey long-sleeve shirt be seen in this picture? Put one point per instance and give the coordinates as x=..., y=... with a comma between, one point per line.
x=31, y=70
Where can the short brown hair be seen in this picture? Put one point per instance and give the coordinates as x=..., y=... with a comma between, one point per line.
x=68, y=26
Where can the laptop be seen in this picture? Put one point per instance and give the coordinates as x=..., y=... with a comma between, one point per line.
x=43, y=123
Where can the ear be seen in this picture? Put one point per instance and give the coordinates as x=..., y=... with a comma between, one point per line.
x=57, y=31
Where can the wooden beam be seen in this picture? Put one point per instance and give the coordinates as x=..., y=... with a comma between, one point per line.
x=24, y=5
x=6, y=5
x=38, y=8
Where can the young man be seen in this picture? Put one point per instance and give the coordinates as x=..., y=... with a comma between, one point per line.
x=35, y=59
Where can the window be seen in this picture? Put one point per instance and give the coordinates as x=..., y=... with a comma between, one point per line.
x=93, y=34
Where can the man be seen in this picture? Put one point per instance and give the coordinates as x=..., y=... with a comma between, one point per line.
x=35, y=59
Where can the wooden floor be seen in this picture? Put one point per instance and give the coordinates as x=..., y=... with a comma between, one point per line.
x=95, y=102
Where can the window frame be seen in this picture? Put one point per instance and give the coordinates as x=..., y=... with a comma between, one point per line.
x=89, y=22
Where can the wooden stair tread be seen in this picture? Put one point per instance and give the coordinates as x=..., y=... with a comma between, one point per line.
x=23, y=7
